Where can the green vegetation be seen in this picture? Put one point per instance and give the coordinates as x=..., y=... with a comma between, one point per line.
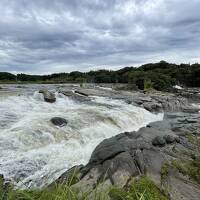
x=190, y=168
x=159, y=76
x=148, y=85
x=194, y=139
x=164, y=171
x=141, y=189
x=5, y=76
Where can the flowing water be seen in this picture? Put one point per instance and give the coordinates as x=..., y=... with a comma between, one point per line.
x=34, y=152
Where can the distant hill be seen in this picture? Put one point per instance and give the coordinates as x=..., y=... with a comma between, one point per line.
x=160, y=76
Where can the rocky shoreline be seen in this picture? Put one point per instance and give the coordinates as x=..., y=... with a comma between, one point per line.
x=151, y=151
x=118, y=160
x=164, y=151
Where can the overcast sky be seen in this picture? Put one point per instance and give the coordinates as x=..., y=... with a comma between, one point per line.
x=45, y=36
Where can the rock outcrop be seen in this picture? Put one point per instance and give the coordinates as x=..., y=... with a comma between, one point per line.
x=192, y=94
x=115, y=161
x=153, y=101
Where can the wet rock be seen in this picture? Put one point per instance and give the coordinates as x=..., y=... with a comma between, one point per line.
x=58, y=121
x=159, y=141
x=48, y=96
x=81, y=93
x=153, y=106
x=76, y=97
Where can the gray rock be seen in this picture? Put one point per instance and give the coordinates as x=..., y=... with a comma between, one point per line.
x=153, y=106
x=48, y=96
x=177, y=139
x=169, y=139
x=76, y=97
x=81, y=93
x=106, y=150
x=139, y=159
x=120, y=169
x=72, y=175
x=159, y=141
x=58, y=121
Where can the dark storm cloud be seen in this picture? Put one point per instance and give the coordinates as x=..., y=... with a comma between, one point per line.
x=42, y=36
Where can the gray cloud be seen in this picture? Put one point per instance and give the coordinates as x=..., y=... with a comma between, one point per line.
x=42, y=36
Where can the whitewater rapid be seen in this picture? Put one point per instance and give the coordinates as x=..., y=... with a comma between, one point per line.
x=34, y=152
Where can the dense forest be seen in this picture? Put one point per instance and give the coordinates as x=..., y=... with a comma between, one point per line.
x=160, y=76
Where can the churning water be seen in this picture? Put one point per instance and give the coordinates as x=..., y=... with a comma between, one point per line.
x=34, y=152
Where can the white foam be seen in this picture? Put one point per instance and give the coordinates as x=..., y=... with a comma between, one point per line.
x=33, y=152
x=196, y=105
x=178, y=87
x=104, y=88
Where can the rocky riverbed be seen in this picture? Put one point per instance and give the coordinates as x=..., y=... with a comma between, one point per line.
x=167, y=151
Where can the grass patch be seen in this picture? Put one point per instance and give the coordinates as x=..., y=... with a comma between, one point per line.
x=141, y=189
x=190, y=168
x=194, y=139
x=164, y=171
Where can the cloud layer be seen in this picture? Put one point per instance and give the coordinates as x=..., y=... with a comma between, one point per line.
x=42, y=36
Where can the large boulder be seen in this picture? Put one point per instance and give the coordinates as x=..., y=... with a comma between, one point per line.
x=58, y=121
x=48, y=96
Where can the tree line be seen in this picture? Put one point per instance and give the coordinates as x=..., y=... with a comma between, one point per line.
x=160, y=76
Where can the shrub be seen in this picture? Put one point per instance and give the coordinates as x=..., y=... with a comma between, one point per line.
x=148, y=85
